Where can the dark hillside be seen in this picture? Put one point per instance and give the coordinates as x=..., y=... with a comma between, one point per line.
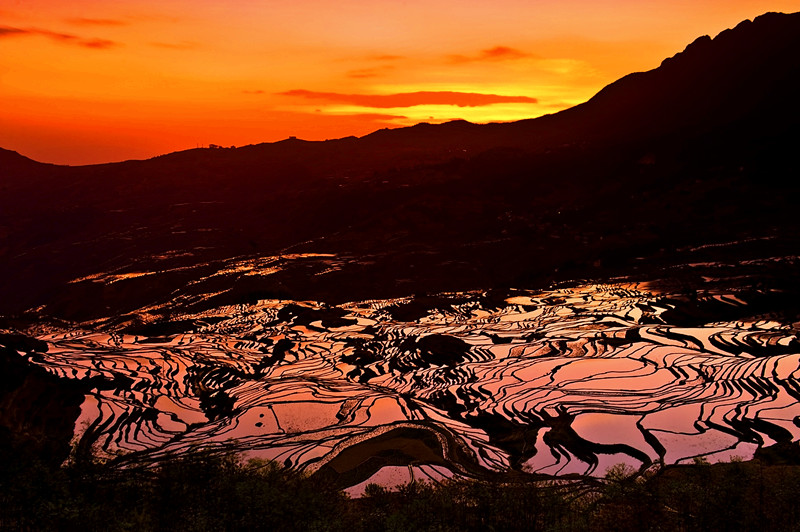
x=699, y=151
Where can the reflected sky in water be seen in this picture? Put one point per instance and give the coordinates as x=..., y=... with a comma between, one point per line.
x=570, y=380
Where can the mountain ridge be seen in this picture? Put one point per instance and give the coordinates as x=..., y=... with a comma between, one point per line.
x=769, y=28
x=684, y=155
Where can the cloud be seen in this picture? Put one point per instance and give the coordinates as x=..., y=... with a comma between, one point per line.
x=11, y=32
x=375, y=116
x=364, y=73
x=410, y=99
x=252, y=92
x=386, y=57
x=98, y=43
x=82, y=21
x=185, y=45
x=560, y=105
x=503, y=52
x=381, y=69
x=67, y=38
x=497, y=53
x=63, y=37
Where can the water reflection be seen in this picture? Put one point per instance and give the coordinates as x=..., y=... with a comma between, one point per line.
x=564, y=381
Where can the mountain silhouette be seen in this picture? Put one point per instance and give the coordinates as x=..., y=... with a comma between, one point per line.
x=694, y=161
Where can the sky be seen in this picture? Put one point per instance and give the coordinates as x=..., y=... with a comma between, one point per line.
x=93, y=81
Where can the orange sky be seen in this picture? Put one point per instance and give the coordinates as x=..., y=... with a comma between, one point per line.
x=90, y=81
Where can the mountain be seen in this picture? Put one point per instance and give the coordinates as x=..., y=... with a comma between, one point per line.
x=692, y=162
x=613, y=270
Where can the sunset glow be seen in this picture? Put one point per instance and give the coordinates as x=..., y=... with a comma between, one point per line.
x=90, y=81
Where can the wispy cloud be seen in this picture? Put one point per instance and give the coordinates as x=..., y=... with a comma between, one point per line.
x=257, y=91
x=365, y=73
x=83, y=21
x=380, y=65
x=185, y=45
x=497, y=53
x=98, y=43
x=386, y=57
x=375, y=116
x=66, y=38
x=11, y=32
x=410, y=99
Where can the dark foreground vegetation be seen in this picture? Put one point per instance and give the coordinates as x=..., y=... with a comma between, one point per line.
x=204, y=491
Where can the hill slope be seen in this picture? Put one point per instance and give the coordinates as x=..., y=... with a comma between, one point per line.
x=650, y=172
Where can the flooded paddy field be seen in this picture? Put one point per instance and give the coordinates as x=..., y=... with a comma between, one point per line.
x=498, y=384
